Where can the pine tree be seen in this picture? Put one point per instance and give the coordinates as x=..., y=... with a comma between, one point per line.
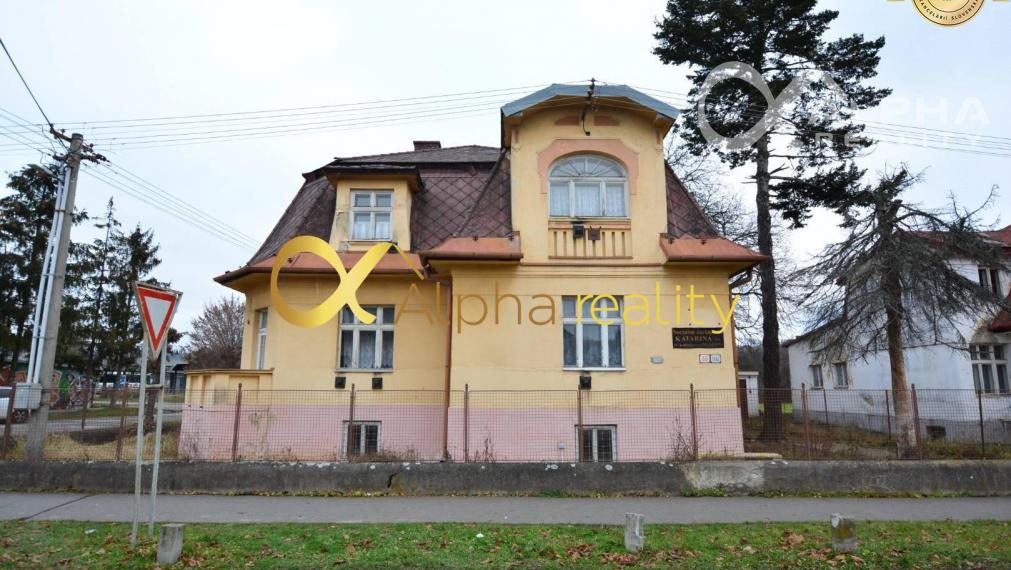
x=97, y=267
x=25, y=219
x=132, y=257
x=795, y=168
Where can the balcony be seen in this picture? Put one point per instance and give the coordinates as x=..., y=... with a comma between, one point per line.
x=609, y=240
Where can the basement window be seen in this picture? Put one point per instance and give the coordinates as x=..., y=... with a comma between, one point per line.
x=364, y=439
x=598, y=444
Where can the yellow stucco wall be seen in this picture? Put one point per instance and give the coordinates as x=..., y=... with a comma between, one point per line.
x=507, y=355
x=401, y=218
x=635, y=134
x=306, y=358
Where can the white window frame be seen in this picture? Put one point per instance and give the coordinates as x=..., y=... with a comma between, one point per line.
x=371, y=210
x=594, y=446
x=845, y=376
x=360, y=425
x=355, y=328
x=994, y=358
x=601, y=181
x=579, y=321
x=989, y=279
x=817, y=377
x=261, y=317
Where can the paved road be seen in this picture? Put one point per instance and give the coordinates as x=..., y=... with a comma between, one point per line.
x=213, y=508
x=60, y=426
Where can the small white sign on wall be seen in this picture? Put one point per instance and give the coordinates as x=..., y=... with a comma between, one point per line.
x=703, y=359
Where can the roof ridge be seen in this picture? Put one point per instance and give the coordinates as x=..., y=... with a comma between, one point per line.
x=427, y=150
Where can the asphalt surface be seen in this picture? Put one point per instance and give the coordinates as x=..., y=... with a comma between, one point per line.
x=61, y=426
x=516, y=510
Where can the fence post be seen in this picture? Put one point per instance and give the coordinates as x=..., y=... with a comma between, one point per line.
x=807, y=424
x=824, y=403
x=84, y=406
x=982, y=434
x=888, y=415
x=695, y=435
x=7, y=424
x=916, y=422
x=466, y=423
x=351, y=424
x=235, y=427
x=579, y=424
x=122, y=420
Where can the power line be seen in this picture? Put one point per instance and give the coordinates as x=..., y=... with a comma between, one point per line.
x=27, y=88
x=136, y=187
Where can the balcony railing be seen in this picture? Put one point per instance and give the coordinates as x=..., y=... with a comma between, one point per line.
x=589, y=240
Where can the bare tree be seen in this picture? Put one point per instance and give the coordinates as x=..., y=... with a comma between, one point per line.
x=903, y=273
x=216, y=335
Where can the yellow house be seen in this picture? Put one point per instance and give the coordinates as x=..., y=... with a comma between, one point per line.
x=572, y=303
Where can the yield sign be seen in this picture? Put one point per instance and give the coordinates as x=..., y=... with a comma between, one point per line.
x=157, y=305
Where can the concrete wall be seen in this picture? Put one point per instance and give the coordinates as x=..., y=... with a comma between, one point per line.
x=983, y=478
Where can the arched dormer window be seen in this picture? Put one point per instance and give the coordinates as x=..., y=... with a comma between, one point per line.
x=587, y=186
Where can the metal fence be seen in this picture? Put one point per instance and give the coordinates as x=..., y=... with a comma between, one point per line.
x=524, y=426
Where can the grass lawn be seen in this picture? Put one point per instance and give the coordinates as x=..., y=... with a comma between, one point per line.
x=758, y=545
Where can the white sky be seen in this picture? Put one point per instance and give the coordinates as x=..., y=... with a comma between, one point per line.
x=123, y=60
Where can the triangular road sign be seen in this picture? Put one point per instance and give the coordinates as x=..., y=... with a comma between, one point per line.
x=157, y=305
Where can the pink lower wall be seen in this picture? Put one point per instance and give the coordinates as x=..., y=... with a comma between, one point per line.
x=414, y=432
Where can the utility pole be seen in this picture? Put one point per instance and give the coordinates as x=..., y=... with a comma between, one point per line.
x=43, y=357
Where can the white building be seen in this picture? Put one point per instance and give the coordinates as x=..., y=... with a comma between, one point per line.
x=956, y=374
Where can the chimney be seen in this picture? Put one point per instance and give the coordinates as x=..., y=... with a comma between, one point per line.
x=427, y=145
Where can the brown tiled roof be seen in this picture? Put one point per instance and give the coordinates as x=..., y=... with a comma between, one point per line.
x=484, y=248
x=684, y=216
x=450, y=196
x=308, y=263
x=310, y=213
x=707, y=249
x=453, y=154
x=464, y=192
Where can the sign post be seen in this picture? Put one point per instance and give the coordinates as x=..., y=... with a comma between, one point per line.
x=157, y=306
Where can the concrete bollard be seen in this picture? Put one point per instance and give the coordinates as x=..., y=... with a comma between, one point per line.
x=170, y=543
x=844, y=533
x=634, y=537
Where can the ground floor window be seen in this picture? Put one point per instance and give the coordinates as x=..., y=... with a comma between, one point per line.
x=363, y=440
x=989, y=368
x=842, y=377
x=597, y=444
x=589, y=343
x=817, y=380
x=366, y=346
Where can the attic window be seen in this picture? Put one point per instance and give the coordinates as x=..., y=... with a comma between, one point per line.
x=371, y=213
x=589, y=186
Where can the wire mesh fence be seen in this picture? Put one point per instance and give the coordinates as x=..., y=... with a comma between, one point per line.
x=531, y=426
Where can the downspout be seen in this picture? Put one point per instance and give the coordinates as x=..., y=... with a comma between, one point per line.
x=449, y=363
x=742, y=280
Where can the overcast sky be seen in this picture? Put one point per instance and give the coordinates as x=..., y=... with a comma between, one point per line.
x=93, y=61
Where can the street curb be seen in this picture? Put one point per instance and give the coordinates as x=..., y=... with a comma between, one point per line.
x=976, y=478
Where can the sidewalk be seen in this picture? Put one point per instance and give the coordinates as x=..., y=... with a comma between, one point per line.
x=515, y=510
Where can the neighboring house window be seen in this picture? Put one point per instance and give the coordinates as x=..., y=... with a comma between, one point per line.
x=261, y=338
x=587, y=344
x=817, y=381
x=367, y=347
x=989, y=368
x=364, y=438
x=371, y=215
x=597, y=444
x=842, y=379
x=989, y=279
x=587, y=186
